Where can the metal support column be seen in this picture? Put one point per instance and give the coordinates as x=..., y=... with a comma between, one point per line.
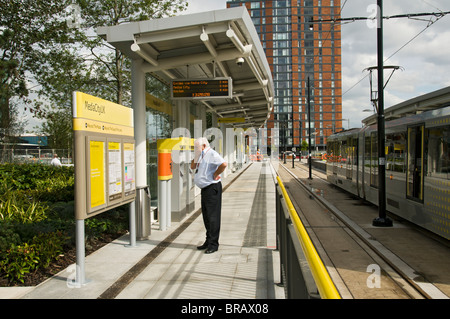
x=138, y=102
x=132, y=214
x=140, y=130
x=225, y=148
x=162, y=204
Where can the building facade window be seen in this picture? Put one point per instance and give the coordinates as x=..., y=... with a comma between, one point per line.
x=297, y=47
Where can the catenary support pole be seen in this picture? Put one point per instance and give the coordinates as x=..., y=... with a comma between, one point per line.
x=309, y=129
x=381, y=220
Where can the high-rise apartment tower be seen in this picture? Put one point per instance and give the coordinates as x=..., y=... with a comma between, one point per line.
x=298, y=46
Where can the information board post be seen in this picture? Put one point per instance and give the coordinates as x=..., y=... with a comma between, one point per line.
x=104, y=164
x=80, y=254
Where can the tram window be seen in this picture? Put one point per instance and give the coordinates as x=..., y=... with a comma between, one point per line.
x=349, y=151
x=371, y=158
x=414, y=174
x=396, y=152
x=355, y=151
x=439, y=152
x=329, y=151
x=343, y=152
x=332, y=151
x=374, y=159
x=367, y=155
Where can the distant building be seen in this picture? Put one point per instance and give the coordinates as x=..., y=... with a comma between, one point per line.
x=297, y=47
x=39, y=140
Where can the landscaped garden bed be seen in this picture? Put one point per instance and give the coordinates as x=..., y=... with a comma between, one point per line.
x=37, y=223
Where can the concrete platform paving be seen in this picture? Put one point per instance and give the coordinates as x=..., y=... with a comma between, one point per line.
x=245, y=267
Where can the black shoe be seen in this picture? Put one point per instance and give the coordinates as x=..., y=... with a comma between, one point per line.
x=204, y=246
x=211, y=250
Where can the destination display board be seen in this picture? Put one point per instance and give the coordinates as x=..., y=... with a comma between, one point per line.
x=201, y=88
x=231, y=120
x=104, y=155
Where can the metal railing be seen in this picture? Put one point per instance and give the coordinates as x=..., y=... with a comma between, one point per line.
x=303, y=273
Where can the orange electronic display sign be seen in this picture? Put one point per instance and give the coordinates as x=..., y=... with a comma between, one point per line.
x=201, y=88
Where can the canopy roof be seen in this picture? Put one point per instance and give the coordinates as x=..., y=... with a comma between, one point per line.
x=426, y=102
x=204, y=45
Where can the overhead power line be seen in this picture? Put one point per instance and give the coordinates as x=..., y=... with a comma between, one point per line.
x=406, y=15
x=438, y=16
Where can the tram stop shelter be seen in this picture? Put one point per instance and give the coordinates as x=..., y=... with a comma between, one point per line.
x=210, y=45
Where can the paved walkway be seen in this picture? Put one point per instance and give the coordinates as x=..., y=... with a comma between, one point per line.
x=168, y=265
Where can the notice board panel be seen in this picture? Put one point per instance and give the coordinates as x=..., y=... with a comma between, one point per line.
x=96, y=174
x=104, y=155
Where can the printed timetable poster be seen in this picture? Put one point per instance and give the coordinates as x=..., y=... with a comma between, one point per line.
x=129, y=168
x=115, y=171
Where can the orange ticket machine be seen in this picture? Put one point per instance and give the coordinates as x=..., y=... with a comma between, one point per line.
x=175, y=180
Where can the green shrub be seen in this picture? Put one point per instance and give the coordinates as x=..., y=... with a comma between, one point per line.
x=33, y=176
x=49, y=247
x=8, y=236
x=17, y=209
x=37, y=220
x=19, y=260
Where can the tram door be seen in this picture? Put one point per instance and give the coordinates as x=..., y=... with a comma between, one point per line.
x=414, y=178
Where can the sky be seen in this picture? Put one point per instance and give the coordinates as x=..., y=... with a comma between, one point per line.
x=423, y=52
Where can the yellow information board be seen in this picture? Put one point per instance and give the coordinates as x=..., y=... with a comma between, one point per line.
x=90, y=107
x=104, y=155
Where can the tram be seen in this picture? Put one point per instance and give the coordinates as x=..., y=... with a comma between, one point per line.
x=417, y=166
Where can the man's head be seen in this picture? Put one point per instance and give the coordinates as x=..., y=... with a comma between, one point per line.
x=201, y=143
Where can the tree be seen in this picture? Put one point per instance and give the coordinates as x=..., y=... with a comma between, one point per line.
x=111, y=66
x=304, y=146
x=89, y=64
x=38, y=45
x=58, y=129
x=28, y=30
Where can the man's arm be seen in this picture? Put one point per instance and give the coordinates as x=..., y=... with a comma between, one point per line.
x=219, y=171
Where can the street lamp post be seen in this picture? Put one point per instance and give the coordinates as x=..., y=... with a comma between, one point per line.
x=309, y=129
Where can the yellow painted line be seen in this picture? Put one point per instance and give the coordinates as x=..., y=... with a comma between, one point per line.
x=327, y=289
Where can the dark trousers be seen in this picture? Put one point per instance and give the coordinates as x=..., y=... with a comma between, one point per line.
x=211, y=211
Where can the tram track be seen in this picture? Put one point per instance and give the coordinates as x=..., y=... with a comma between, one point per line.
x=406, y=279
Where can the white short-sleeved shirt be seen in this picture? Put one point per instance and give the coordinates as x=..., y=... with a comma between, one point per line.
x=207, y=164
